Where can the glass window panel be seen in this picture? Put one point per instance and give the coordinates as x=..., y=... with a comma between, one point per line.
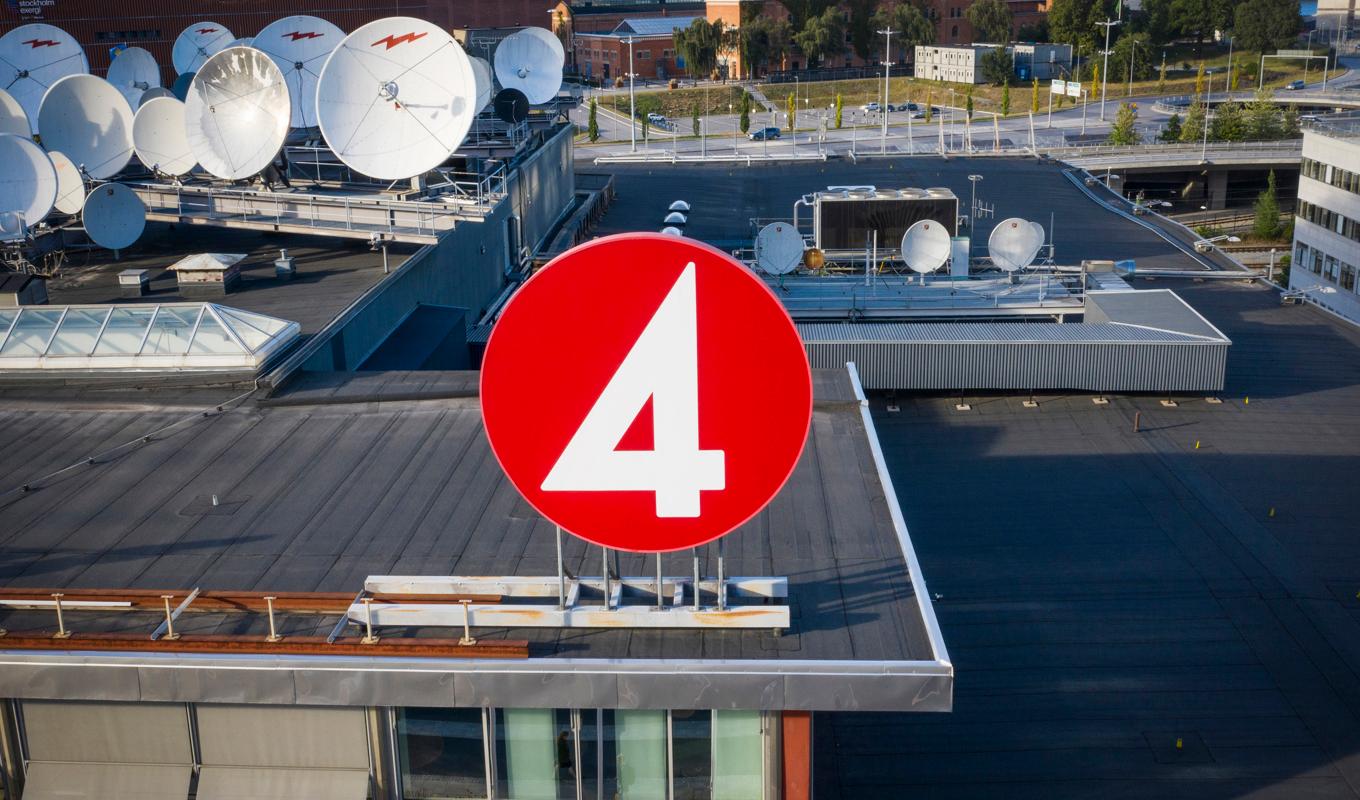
x=78, y=332
x=31, y=332
x=6, y=319
x=738, y=756
x=639, y=754
x=441, y=751
x=123, y=334
x=254, y=336
x=590, y=753
x=213, y=339
x=171, y=331
x=692, y=754
x=530, y=749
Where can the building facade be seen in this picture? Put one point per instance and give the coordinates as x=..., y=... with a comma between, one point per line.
x=1326, y=255
x=950, y=64
x=605, y=56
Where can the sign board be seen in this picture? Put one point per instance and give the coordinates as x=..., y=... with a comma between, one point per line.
x=1294, y=53
x=646, y=392
x=1057, y=87
x=1073, y=89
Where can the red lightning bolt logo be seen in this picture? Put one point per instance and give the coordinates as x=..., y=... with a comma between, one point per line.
x=393, y=41
x=206, y=30
x=36, y=43
x=307, y=35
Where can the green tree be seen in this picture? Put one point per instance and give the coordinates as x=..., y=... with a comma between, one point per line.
x=1095, y=80
x=840, y=106
x=1125, y=130
x=1134, y=47
x=593, y=124
x=1157, y=22
x=968, y=109
x=930, y=112
x=1289, y=122
x=911, y=26
x=694, y=119
x=1161, y=82
x=800, y=11
x=1262, y=120
x=744, y=121
x=1199, y=80
x=991, y=21
x=1172, y=131
x=699, y=44
x=997, y=67
x=1073, y=22
x=1200, y=18
x=860, y=27
x=1193, y=129
x=791, y=109
x=1034, y=97
x=1006, y=100
x=1267, y=208
x=763, y=41
x=1263, y=25
x=822, y=37
x=1228, y=123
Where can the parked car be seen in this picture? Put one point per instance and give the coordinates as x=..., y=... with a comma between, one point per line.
x=657, y=119
x=763, y=134
x=913, y=107
x=871, y=107
x=1294, y=85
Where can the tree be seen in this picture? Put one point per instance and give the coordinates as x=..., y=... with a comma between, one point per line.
x=744, y=120
x=1199, y=80
x=1228, y=124
x=991, y=21
x=1263, y=25
x=968, y=109
x=930, y=112
x=1200, y=18
x=1193, y=129
x=761, y=41
x=800, y=11
x=1157, y=22
x=1262, y=119
x=1034, y=32
x=1073, y=21
x=860, y=26
x=1172, y=131
x=698, y=45
x=997, y=67
x=1136, y=47
x=1095, y=79
x=822, y=37
x=593, y=124
x=1267, y=209
x=840, y=106
x=911, y=26
x=694, y=118
x=1034, y=97
x=1006, y=100
x=791, y=109
x=1125, y=130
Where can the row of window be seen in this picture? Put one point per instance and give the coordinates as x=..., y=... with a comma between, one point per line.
x=1334, y=176
x=1330, y=268
x=1331, y=220
x=124, y=36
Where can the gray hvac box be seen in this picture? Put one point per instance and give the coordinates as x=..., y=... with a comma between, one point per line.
x=847, y=219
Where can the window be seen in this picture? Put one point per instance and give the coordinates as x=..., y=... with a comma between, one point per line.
x=1347, y=277
x=441, y=752
x=954, y=33
x=643, y=55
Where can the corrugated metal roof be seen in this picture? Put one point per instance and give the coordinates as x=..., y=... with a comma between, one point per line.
x=991, y=333
x=653, y=26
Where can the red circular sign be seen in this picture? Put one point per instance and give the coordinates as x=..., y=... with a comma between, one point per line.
x=646, y=392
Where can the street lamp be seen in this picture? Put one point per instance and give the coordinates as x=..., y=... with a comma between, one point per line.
x=1133, y=52
x=887, y=63
x=734, y=127
x=1105, y=70
x=632, y=100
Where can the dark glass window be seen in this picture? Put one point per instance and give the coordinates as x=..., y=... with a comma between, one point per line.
x=441, y=752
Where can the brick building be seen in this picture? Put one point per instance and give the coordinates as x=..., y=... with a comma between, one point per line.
x=604, y=55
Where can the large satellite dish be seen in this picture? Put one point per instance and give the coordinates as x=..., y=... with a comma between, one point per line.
x=396, y=98
x=70, y=184
x=198, y=43
x=133, y=72
x=180, y=88
x=90, y=121
x=160, y=139
x=28, y=182
x=486, y=83
x=114, y=216
x=1015, y=243
x=152, y=94
x=236, y=115
x=299, y=46
x=531, y=60
x=32, y=58
x=511, y=105
x=13, y=118
x=925, y=246
x=779, y=248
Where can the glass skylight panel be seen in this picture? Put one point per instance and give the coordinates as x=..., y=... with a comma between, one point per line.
x=31, y=332
x=213, y=339
x=125, y=331
x=171, y=331
x=252, y=328
x=79, y=332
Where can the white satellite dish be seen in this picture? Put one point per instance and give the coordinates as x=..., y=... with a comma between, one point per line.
x=114, y=216
x=531, y=60
x=28, y=181
x=925, y=246
x=675, y=218
x=244, y=41
x=672, y=231
x=152, y=94
x=1015, y=243
x=396, y=98
x=70, y=184
x=486, y=82
x=34, y=57
x=133, y=72
x=12, y=227
x=198, y=43
x=160, y=139
x=299, y=46
x=779, y=248
x=13, y=118
x=681, y=206
x=90, y=121
x=236, y=114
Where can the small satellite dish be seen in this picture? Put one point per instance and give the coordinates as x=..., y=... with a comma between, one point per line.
x=180, y=89
x=299, y=46
x=511, y=105
x=70, y=184
x=28, y=181
x=236, y=115
x=152, y=94
x=133, y=72
x=13, y=118
x=681, y=206
x=114, y=216
x=531, y=60
x=675, y=218
x=486, y=83
x=925, y=246
x=90, y=121
x=159, y=136
x=1015, y=243
x=672, y=231
x=779, y=248
x=34, y=57
x=395, y=98
x=198, y=43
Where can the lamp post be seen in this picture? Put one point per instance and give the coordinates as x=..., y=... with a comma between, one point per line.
x=887, y=63
x=1133, y=53
x=632, y=100
x=1105, y=70
x=1208, y=96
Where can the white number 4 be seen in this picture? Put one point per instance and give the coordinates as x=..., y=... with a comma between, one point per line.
x=663, y=365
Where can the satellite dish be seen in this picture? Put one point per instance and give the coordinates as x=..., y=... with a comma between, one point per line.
x=671, y=231
x=779, y=248
x=1015, y=243
x=244, y=41
x=34, y=57
x=28, y=182
x=70, y=184
x=681, y=206
x=152, y=94
x=395, y=98
x=12, y=227
x=13, y=118
x=90, y=121
x=236, y=114
x=299, y=46
x=198, y=43
x=675, y=218
x=159, y=136
x=114, y=216
x=511, y=105
x=133, y=72
x=925, y=246
x=486, y=83
x=180, y=88
x=531, y=60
